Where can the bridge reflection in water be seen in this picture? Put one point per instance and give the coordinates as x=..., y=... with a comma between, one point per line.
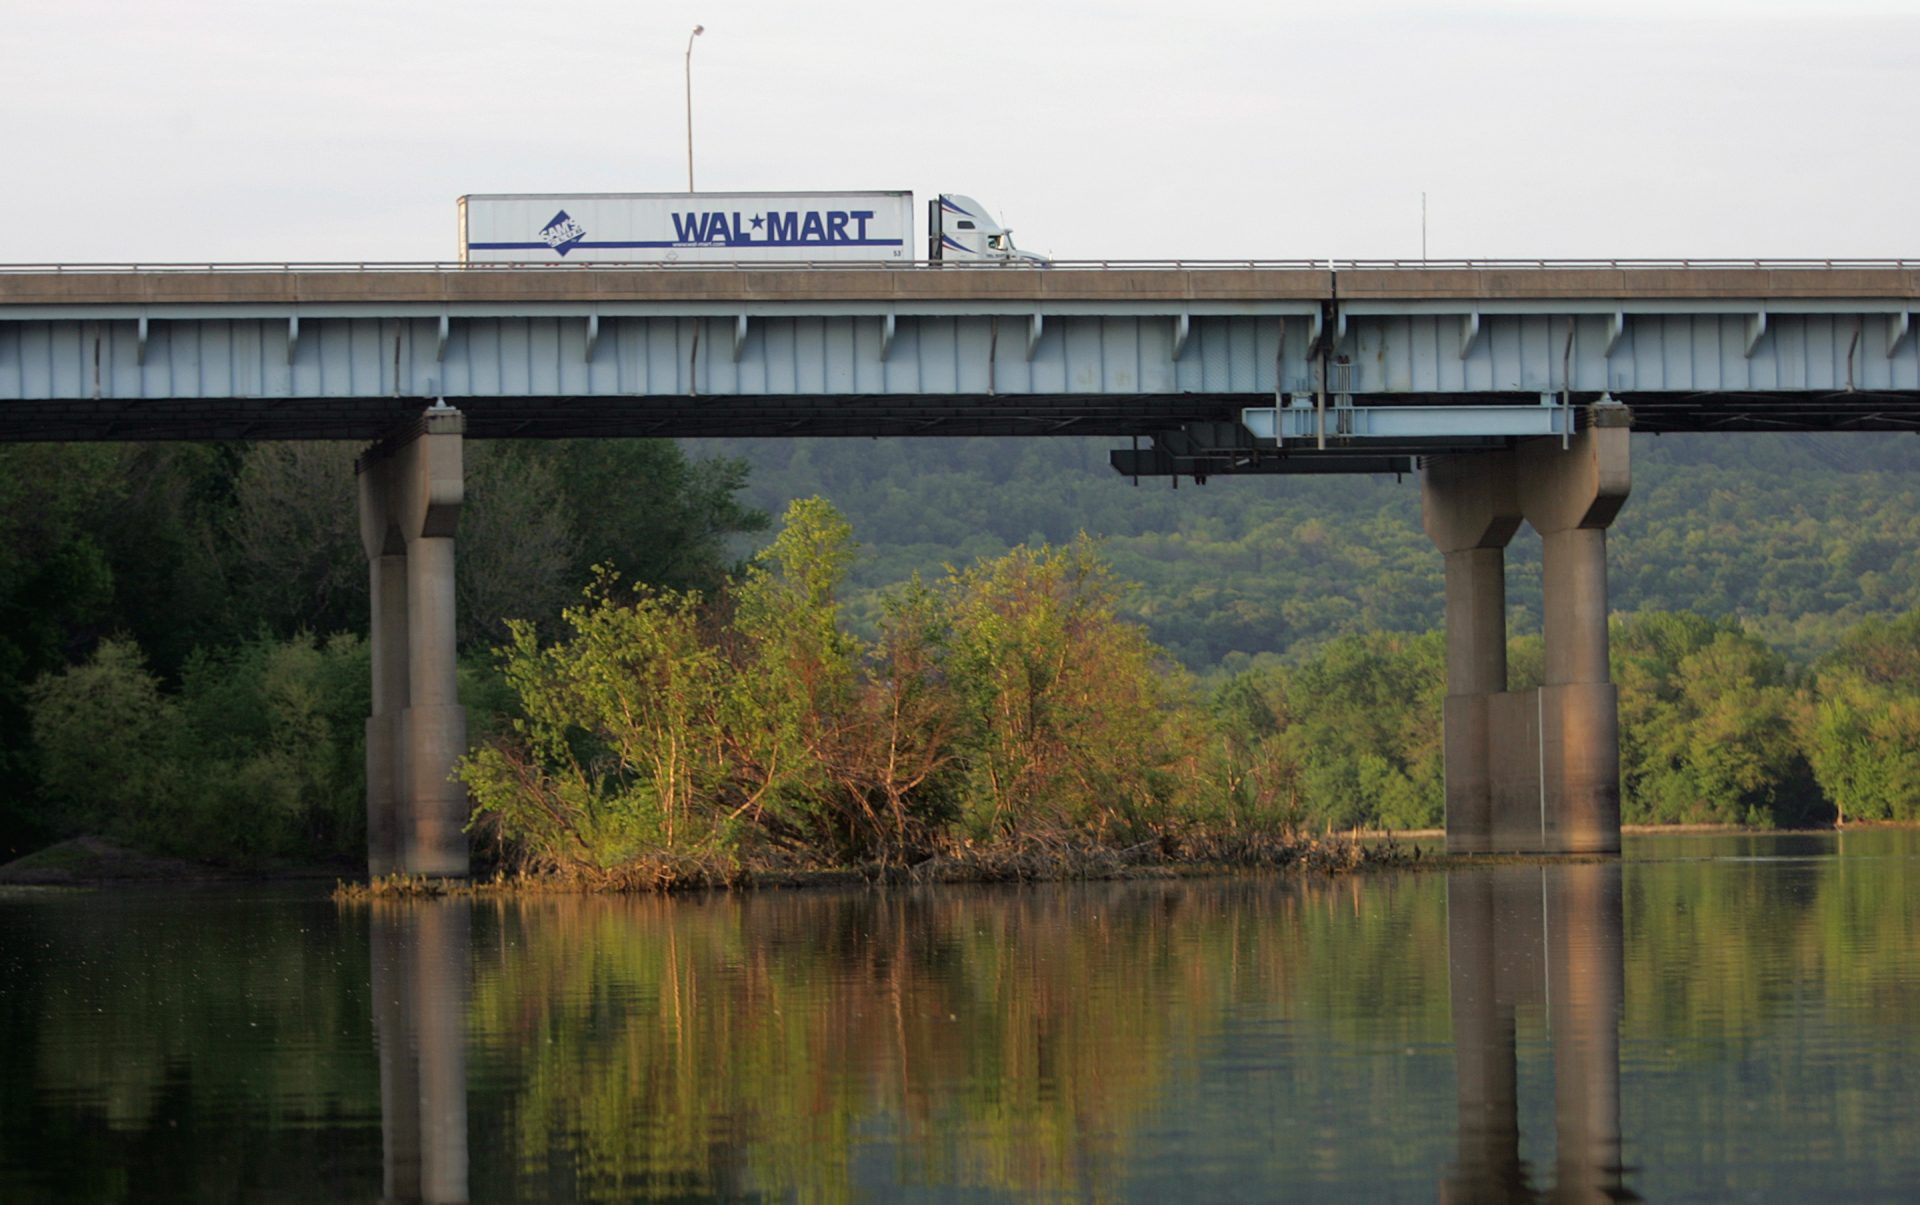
x=1526, y=944
x=1531, y=939
x=422, y=955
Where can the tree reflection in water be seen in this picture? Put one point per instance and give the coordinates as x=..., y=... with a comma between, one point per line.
x=1024, y=1041
x=1203, y=1039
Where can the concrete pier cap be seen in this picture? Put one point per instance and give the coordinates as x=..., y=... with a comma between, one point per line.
x=1534, y=771
x=1469, y=501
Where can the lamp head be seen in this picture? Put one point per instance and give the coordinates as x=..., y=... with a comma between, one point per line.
x=698, y=30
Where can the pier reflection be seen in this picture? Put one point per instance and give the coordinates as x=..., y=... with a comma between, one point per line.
x=836, y=1043
x=422, y=976
x=1533, y=941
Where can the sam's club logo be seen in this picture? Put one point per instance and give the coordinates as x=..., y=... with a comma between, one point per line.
x=562, y=232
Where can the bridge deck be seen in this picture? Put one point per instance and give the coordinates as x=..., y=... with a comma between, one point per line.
x=453, y=284
x=1389, y=358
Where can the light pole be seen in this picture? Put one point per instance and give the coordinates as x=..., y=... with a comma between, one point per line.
x=697, y=31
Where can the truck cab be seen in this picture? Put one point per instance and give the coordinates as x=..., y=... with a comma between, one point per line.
x=960, y=230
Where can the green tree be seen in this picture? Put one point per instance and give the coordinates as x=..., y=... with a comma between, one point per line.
x=109, y=744
x=1256, y=770
x=274, y=750
x=793, y=714
x=537, y=517
x=162, y=533
x=1067, y=705
x=520, y=554
x=258, y=756
x=56, y=593
x=1707, y=725
x=191, y=552
x=292, y=539
x=617, y=752
x=1367, y=723
x=649, y=512
x=908, y=719
x=1865, y=739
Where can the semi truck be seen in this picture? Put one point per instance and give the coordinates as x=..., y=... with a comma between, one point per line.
x=728, y=227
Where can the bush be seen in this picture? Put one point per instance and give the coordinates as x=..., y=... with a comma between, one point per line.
x=669, y=726
x=1067, y=710
x=260, y=755
x=617, y=751
x=110, y=747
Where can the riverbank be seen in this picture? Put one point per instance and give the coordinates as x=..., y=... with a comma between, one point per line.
x=1033, y=861
x=94, y=862
x=1649, y=830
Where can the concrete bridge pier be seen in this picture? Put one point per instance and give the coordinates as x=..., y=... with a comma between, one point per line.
x=1570, y=496
x=1535, y=771
x=411, y=485
x=1470, y=510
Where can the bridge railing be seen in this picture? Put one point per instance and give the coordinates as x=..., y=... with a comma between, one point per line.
x=1095, y=265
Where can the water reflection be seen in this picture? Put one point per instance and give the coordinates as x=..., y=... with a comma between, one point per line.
x=1012, y=1042
x=740, y=1046
x=422, y=985
x=1542, y=940
x=1380, y=1037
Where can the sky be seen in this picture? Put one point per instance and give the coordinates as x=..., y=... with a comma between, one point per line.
x=282, y=130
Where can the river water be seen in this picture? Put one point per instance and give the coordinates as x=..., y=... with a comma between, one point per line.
x=1712, y=1018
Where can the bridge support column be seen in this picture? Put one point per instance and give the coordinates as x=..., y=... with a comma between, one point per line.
x=1470, y=510
x=1535, y=771
x=411, y=486
x=1570, y=496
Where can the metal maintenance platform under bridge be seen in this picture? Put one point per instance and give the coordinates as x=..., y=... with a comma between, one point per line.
x=1210, y=368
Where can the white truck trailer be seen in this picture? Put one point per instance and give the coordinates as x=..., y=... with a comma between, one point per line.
x=732, y=227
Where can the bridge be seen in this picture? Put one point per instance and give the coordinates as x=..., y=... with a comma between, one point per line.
x=1511, y=387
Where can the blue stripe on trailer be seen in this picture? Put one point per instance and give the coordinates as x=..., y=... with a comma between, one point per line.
x=613, y=246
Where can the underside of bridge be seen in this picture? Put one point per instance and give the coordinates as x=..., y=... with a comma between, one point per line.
x=1188, y=434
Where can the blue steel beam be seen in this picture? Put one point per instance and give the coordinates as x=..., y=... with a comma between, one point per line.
x=1400, y=359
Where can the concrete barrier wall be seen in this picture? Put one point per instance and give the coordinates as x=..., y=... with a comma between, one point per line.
x=948, y=285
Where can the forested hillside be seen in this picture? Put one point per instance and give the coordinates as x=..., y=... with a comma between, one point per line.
x=1799, y=536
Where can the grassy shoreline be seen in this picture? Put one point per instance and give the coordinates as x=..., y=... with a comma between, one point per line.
x=1351, y=853
x=86, y=861
x=1031, y=862
x=1647, y=830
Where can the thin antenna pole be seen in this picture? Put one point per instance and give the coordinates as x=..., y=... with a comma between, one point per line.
x=1423, y=226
